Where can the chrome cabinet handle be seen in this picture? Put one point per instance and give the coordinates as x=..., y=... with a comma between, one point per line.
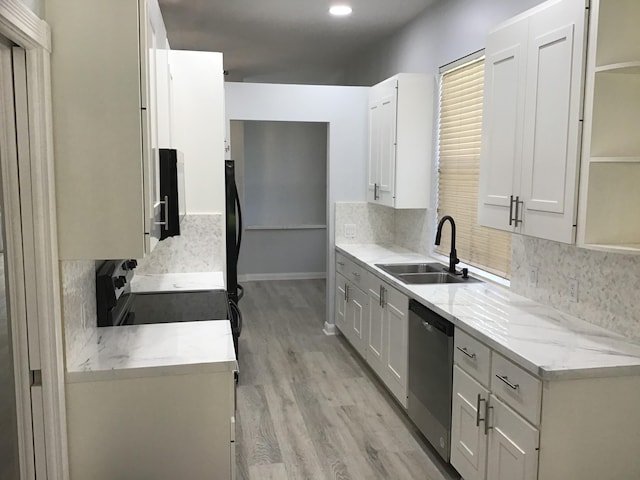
x=487, y=412
x=381, y=305
x=384, y=296
x=464, y=350
x=479, y=401
x=505, y=379
x=510, y=210
x=341, y=264
x=376, y=196
x=346, y=293
x=355, y=274
x=165, y=203
x=166, y=212
x=518, y=202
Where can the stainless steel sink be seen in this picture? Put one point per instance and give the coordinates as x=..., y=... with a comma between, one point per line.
x=423, y=273
x=434, y=277
x=401, y=268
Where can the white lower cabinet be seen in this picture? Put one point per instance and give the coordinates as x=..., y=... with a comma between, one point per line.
x=373, y=317
x=388, y=336
x=351, y=313
x=489, y=440
x=513, y=444
x=162, y=426
x=468, y=436
x=508, y=424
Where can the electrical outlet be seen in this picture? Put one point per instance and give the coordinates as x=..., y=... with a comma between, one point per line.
x=533, y=277
x=350, y=230
x=572, y=283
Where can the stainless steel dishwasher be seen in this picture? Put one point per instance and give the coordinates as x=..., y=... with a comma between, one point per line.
x=430, y=375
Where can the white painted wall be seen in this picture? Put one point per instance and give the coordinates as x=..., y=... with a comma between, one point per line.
x=344, y=109
x=446, y=31
x=198, y=127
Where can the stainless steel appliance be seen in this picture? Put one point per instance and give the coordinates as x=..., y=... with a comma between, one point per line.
x=171, y=191
x=117, y=305
x=430, y=375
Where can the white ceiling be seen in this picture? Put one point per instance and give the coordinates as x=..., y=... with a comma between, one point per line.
x=261, y=37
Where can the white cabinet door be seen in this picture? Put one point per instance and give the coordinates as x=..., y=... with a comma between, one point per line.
x=531, y=125
x=382, y=142
x=468, y=430
x=375, y=149
x=513, y=445
x=505, y=71
x=552, y=124
x=356, y=313
x=341, y=303
x=395, y=341
x=375, y=346
x=387, y=176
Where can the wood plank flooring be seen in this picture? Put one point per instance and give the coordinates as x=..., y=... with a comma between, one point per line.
x=308, y=407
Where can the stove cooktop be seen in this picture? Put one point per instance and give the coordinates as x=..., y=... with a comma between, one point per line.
x=168, y=307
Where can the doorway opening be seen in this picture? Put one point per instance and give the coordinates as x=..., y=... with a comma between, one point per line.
x=281, y=172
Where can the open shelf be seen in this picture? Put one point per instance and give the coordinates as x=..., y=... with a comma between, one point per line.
x=618, y=33
x=616, y=113
x=619, y=159
x=613, y=205
x=629, y=68
x=618, y=248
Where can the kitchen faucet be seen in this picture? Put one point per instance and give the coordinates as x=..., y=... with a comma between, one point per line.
x=453, y=255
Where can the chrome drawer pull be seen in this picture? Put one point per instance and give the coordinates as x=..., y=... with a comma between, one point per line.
x=341, y=264
x=356, y=274
x=505, y=379
x=464, y=350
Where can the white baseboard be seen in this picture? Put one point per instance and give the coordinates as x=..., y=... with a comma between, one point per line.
x=253, y=277
x=329, y=328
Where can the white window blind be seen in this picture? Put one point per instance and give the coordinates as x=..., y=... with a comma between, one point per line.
x=460, y=131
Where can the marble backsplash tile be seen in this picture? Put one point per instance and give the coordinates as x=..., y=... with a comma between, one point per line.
x=200, y=247
x=608, y=283
x=78, y=279
x=414, y=230
x=374, y=223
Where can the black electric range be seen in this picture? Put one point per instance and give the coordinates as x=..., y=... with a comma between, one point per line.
x=117, y=305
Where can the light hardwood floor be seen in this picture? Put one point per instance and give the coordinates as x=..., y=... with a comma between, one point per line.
x=308, y=407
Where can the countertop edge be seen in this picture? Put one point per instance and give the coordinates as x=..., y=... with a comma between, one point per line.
x=151, y=371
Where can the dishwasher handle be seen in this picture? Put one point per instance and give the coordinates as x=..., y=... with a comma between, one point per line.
x=430, y=319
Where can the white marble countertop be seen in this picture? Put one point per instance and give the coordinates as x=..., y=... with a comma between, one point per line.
x=171, y=282
x=544, y=341
x=156, y=349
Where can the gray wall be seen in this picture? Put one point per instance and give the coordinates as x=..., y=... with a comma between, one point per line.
x=284, y=187
x=446, y=31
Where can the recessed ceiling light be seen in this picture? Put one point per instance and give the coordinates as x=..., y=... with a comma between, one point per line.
x=340, y=10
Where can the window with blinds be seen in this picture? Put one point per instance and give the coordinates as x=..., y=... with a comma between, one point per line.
x=459, y=133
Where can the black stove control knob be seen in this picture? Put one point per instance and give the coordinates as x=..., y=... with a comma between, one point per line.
x=120, y=281
x=131, y=264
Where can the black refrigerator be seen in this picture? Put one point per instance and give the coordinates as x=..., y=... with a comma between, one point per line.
x=233, y=215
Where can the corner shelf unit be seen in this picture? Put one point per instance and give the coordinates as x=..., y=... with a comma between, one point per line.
x=609, y=215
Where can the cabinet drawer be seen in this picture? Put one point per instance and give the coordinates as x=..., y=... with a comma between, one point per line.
x=517, y=388
x=473, y=356
x=351, y=271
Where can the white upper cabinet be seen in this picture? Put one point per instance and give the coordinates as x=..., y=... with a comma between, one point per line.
x=104, y=67
x=610, y=171
x=532, y=122
x=401, y=111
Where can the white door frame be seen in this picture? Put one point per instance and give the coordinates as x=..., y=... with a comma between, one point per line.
x=26, y=29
